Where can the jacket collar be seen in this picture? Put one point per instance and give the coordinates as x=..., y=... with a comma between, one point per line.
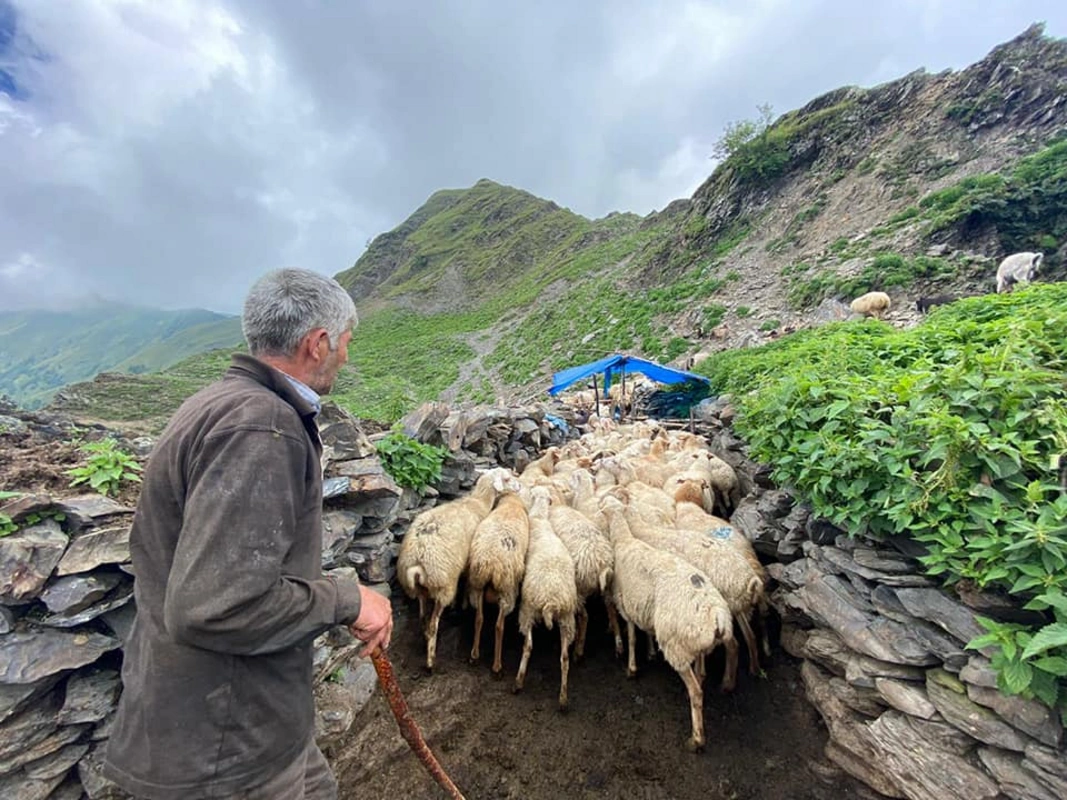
x=277, y=381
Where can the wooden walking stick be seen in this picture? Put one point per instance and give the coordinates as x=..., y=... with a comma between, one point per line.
x=408, y=729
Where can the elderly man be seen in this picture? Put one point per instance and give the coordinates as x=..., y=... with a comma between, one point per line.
x=226, y=547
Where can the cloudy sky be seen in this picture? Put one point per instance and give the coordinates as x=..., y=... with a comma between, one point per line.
x=166, y=152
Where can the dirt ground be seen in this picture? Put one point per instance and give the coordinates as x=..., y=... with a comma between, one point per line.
x=36, y=461
x=621, y=738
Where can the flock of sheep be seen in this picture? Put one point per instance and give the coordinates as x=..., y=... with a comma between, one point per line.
x=633, y=513
x=1016, y=268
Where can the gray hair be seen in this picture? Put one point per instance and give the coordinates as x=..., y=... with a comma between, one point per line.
x=284, y=305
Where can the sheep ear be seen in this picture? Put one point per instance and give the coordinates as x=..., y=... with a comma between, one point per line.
x=498, y=481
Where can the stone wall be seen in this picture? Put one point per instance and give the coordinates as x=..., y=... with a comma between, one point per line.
x=909, y=711
x=66, y=589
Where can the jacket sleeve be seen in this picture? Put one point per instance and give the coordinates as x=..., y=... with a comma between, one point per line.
x=228, y=590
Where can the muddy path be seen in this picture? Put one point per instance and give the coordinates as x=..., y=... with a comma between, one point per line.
x=621, y=738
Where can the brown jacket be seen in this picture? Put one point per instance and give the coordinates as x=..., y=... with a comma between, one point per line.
x=226, y=547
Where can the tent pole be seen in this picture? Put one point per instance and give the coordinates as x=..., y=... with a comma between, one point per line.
x=622, y=399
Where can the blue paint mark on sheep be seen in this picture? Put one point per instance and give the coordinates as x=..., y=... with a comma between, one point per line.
x=722, y=532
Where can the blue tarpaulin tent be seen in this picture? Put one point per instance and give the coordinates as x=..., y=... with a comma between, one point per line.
x=617, y=364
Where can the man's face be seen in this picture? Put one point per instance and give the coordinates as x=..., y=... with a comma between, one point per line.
x=333, y=360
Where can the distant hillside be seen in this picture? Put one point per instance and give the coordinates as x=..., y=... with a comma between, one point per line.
x=41, y=351
x=917, y=186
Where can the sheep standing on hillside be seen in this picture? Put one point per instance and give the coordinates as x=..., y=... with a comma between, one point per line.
x=872, y=304
x=1017, y=268
x=436, y=549
x=496, y=567
x=549, y=590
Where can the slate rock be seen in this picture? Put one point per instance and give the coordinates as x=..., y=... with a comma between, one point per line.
x=831, y=602
x=979, y=672
x=91, y=509
x=92, y=548
x=850, y=745
x=424, y=423
x=821, y=531
x=28, y=656
x=19, y=786
x=50, y=744
x=341, y=435
x=339, y=525
x=91, y=695
x=905, y=696
x=34, y=724
x=1015, y=782
x=73, y=593
x=1047, y=766
x=950, y=699
x=7, y=620
x=1030, y=716
x=91, y=774
x=14, y=697
x=942, y=735
x=120, y=620
x=337, y=703
x=119, y=597
x=998, y=606
x=937, y=607
x=884, y=561
x=27, y=559
x=925, y=773
x=335, y=487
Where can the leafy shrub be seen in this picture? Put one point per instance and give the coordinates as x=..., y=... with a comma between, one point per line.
x=107, y=467
x=742, y=311
x=945, y=433
x=409, y=462
x=771, y=324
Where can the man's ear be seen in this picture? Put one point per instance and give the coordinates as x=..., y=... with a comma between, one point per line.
x=311, y=346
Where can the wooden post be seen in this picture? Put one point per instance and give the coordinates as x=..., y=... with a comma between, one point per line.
x=596, y=396
x=622, y=399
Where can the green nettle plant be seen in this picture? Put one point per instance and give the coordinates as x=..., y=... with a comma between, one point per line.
x=107, y=467
x=949, y=433
x=409, y=462
x=7, y=526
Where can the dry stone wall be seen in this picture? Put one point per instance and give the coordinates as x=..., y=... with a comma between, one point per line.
x=909, y=710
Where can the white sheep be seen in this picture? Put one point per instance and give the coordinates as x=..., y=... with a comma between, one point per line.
x=872, y=304
x=436, y=548
x=672, y=600
x=496, y=567
x=593, y=557
x=549, y=590
x=1017, y=268
x=541, y=470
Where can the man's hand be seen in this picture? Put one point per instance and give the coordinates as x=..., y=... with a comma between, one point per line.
x=374, y=625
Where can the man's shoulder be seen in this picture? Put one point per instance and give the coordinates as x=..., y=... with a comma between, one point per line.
x=234, y=404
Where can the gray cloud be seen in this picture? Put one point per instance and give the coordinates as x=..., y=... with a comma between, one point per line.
x=167, y=153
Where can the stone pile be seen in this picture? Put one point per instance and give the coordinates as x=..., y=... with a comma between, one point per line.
x=66, y=590
x=909, y=710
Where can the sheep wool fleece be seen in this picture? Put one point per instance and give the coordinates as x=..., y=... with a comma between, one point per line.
x=226, y=552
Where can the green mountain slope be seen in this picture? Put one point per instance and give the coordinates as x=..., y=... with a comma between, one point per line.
x=917, y=186
x=41, y=351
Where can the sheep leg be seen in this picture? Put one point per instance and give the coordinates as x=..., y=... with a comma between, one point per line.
x=566, y=636
x=700, y=668
x=613, y=623
x=651, y=647
x=631, y=638
x=750, y=642
x=696, y=707
x=729, y=675
x=478, y=599
x=498, y=644
x=579, y=640
x=431, y=634
x=527, y=648
x=422, y=606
